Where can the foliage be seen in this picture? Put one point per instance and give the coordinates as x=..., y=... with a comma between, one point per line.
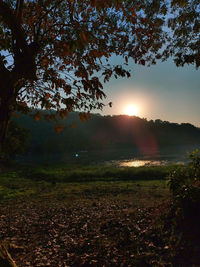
x=184, y=218
x=111, y=137
x=186, y=176
x=16, y=141
x=184, y=25
x=57, y=50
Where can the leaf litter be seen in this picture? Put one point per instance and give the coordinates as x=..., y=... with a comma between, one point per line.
x=97, y=232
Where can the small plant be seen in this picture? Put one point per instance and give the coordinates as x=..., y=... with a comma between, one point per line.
x=185, y=179
x=184, y=217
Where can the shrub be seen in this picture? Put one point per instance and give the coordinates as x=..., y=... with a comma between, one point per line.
x=184, y=183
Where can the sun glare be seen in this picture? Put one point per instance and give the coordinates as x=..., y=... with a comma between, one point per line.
x=131, y=110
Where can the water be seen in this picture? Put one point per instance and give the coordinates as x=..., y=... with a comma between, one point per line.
x=141, y=162
x=135, y=163
x=117, y=157
x=128, y=158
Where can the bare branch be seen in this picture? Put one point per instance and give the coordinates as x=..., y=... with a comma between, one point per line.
x=19, y=9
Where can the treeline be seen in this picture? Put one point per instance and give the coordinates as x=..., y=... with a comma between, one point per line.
x=106, y=132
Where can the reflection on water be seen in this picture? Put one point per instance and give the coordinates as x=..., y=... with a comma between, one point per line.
x=139, y=162
x=116, y=158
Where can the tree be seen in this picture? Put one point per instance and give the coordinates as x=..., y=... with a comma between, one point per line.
x=16, y=141
x=184, y=27
x=54, y=53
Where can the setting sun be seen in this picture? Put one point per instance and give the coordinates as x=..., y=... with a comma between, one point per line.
x=131, y=110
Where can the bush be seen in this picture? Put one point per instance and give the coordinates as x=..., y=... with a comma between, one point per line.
x=186, y=178
x=184, y=183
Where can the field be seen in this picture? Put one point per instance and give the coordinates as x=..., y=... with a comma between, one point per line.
x=85, y=215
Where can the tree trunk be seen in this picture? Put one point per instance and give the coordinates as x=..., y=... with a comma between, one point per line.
x=3, y=130
x=6, y=96
x=4, y=119
x=6, y=105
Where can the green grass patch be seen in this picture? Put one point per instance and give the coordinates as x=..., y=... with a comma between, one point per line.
x=75, y=173
x=65, y=182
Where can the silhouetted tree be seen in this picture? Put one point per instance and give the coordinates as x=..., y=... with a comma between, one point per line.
x=52, y=52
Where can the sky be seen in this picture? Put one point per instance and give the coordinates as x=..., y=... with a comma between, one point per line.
x=162, y=91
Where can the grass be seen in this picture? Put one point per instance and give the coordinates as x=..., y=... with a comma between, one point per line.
x=63, y=181
x=68, y=215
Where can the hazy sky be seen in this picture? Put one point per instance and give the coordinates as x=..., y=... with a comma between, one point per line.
x=163, y=91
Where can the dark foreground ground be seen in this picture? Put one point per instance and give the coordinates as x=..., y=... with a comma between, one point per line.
x=108, y=220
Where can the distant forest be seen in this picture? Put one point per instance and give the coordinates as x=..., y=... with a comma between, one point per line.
x=106, y=132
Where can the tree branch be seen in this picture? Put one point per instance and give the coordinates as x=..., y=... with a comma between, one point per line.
x=3, y=69
x=19, y=9
x=49, y=10
x=8, y=17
